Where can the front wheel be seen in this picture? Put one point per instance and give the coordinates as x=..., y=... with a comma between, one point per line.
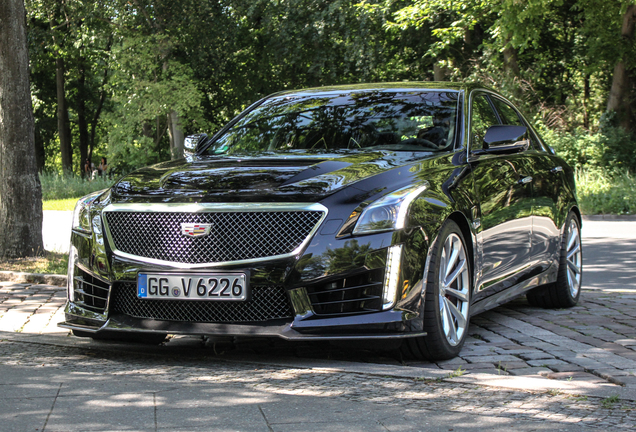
x=447, y=298
x=565, y=292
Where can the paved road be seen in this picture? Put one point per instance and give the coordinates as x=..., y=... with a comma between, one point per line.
x=524, y=367
x=56, y=230
x=50, y=387
x=608, y=255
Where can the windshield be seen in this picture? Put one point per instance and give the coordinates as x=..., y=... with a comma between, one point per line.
x=375, y=120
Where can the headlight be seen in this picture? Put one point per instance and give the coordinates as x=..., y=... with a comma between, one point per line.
x=82, y=212
x=389, y=212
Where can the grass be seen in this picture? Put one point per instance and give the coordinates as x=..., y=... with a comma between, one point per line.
x=456, y=373
x=603, y=192
x=66, y=186
x=609, y=402
x=59, y=204
x=61, y=191
x=49, y=263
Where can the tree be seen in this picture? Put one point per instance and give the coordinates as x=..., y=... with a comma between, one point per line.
x=20, y=190
x=620, y=96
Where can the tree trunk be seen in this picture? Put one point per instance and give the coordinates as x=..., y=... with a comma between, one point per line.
x=98, y=110
x=20, y=189
x=63, y=123
x=82, y=123
x=176, y=135
x=440, y=72
x=511, y=61
x=620, y=94
x=586, y=101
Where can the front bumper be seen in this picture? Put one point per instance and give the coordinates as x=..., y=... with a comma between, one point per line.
x=326, y=297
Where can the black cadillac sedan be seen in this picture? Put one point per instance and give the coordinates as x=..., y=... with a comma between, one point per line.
x=387, y=212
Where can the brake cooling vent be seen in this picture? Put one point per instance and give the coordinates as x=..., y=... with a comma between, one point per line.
x=353, y=295
x=90, y=292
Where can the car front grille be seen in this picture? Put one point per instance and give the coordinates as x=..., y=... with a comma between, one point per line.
x=266, y=303
x=234, y=236
x=357, y=294
x=89, y=292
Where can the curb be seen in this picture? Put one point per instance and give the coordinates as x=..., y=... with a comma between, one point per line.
x=34, y=278
x=610, y=217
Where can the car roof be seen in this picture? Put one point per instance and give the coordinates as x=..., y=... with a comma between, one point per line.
x=390, y=87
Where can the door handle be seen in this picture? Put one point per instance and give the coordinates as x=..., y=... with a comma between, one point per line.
x=525, y=180
x=556, y=169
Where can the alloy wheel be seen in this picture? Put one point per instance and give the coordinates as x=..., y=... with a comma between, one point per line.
x=454, y=286
x=574, y=258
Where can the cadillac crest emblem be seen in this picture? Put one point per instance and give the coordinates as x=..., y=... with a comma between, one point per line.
x=195, y=229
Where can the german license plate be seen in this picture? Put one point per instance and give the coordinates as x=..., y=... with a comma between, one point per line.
x=193, y=286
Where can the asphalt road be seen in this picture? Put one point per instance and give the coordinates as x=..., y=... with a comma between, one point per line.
x=609, y=261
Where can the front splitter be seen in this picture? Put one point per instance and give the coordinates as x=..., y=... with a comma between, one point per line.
x=281, y=329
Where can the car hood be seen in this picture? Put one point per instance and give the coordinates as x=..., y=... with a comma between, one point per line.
x=304, y=177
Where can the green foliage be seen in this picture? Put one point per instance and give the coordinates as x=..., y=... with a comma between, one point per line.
x=611, y=148
x=132, y=64
x=606, y=192
x=58, y=186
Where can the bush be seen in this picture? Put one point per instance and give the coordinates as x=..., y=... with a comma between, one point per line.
x=60, y=186
x=606, y=192
x=611, y=147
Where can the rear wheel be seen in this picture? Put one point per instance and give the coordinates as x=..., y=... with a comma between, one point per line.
x=565, y=292
x=447, y=299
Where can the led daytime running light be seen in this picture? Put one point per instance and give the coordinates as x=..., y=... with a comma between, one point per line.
x=391, y=276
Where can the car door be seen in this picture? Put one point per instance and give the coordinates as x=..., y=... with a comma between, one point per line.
x=503, y=187
x=545, y=170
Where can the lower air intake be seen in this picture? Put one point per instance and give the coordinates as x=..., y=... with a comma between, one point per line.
x=267, y=303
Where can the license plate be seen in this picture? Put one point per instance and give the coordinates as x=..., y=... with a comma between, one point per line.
x=193, y=286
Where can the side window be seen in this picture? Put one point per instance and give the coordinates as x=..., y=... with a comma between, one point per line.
x=507, y=113
x=481, y=118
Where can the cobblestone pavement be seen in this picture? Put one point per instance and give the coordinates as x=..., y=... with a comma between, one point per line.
x=592, y=344
x=162, y=380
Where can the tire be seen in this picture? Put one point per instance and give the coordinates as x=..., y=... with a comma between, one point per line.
x=139, y=338
x=447, y=300
x=565, y=292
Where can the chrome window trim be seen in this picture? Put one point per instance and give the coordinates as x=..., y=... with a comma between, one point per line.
x=212, y=208
x=476, y=91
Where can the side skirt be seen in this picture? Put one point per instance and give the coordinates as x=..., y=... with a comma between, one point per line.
x=515, y=291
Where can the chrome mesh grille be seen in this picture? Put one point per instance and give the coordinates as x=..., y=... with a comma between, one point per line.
x=234, y=236
x=266, y=303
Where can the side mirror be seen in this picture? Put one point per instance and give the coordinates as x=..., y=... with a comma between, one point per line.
x=504, y=135
x=191, y=143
